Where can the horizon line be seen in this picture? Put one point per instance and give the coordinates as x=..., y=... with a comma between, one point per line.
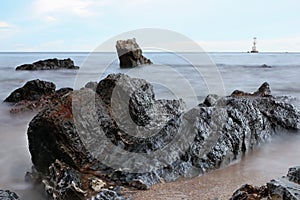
x=145, y=51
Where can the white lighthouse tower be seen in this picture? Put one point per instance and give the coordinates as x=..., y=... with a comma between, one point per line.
x=254, y=50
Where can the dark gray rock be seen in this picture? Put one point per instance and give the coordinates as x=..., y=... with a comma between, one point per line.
x=66, y=182
x=263, y=91
x=31, y=91
x=265, y=66
x=283, y=189
x=63, y=91
x=211, y=100
x=91, y=85
x=294, y=174
x=35, y=95
x=107, y=194
x=286, y=187
x=130, y=54
x=8, y=195
x=84, y=129
x=49, y=64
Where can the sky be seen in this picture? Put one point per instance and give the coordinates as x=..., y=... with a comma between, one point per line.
x=216, y=25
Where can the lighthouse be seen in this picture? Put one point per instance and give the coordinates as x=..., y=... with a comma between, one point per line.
x=254, y=50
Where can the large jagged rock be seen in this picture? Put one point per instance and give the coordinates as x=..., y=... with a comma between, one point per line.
x=121, y=135
x=130, y=54
x=286, y=187
x=34, y=96
x=8, y=195
x=49, y=64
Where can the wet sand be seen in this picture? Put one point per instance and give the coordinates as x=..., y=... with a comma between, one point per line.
x=270, y=161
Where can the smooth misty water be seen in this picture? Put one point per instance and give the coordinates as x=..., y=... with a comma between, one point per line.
x=238, y=71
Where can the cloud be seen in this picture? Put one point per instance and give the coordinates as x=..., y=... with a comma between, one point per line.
x=51, y=19
x=5, y=25
x=82, y=8
x=90, y=8
x=7, y=31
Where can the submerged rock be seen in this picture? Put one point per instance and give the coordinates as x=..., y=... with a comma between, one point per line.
x=34, y=96
x=49, y=64
x=121, y=135
x=265, y=66
x=286, y=187
x=130, y=54
x=8, y=195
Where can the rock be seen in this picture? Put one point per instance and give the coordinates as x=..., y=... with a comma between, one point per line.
x=31, y=91
x=265, y=66
x=63, y=91
x=294, y=174
x=80, y=135
x=250, y=192
x=211, y=100
x=49, y=64
x=34, y=177
x=44, y=101
x=263, y=91
x=34, y=96
x=130, y=54
x=107, y=194
x=66, y=182
x=91, y=85
x=286, y=187
x=8, y=195
x=97, y=184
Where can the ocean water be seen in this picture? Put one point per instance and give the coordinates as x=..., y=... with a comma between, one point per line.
x=180, y=75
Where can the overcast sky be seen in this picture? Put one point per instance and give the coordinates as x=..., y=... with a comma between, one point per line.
x=81, y=25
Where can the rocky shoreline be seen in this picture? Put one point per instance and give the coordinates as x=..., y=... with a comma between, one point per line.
x=66, y=136
x=114, y=137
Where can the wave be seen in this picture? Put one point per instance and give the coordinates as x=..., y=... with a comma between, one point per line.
x=6, y=68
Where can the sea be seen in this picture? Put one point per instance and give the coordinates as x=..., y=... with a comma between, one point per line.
x=187, y=75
